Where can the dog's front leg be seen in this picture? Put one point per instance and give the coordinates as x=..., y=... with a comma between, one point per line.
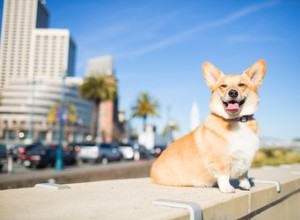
x=221, y=170
x=224, y=184
x=219, y=166
x=244, y=182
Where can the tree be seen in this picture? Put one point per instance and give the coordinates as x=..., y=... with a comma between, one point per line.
x=98, y=88
x=145, y=107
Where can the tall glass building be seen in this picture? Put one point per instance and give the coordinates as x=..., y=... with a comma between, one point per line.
x=33, y=62
x=20, y=19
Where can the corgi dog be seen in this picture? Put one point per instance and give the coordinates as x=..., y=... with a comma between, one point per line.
x=223, y=147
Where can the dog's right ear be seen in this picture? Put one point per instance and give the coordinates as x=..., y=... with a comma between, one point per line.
x=256, y=72
x=211, y=74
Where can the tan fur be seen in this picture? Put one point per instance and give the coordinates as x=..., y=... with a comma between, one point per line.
x=211, y=154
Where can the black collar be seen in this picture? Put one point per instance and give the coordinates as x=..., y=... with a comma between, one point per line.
x=244, y=118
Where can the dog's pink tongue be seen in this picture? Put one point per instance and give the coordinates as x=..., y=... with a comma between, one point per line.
x=233, y=107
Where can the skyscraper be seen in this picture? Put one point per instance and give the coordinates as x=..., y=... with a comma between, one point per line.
x=33, y=61
x=100, y=65
x=19, y=20
x=53, y=54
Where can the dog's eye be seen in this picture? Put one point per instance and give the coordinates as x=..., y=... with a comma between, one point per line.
x=241, y=85
x=223, y=86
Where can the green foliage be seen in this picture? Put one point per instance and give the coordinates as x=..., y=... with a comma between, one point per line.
x=99, y=87
x=145, y=107
x=275, y=157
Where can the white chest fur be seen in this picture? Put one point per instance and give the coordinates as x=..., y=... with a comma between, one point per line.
x=243, y=143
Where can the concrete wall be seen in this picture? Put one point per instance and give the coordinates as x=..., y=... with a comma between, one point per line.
x=120, y=170
x=133, y=199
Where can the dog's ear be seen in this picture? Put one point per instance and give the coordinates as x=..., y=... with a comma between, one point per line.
x=211, y=74
x=256, y=72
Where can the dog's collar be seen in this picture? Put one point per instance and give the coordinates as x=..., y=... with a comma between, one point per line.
x=244, y=118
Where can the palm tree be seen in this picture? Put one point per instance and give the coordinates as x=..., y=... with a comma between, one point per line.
x=145, y=107
x=98, y=88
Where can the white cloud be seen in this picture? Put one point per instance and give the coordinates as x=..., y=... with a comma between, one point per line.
x=196, y=29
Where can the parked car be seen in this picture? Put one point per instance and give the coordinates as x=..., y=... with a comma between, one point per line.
x=40, y=157
x=14, y=150
x=75, y=147
x=3, y=155
x=24, y=150
x=103, y=153
x=157, y=150
x=69, y=154
x=129, y=151
x=44, y=156
x=3, y=151
x=133, y=151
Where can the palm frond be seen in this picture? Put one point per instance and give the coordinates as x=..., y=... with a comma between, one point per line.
x=145, y=106
x=99, y=88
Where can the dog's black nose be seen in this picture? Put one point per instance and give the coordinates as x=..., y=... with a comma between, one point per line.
x=233, y=93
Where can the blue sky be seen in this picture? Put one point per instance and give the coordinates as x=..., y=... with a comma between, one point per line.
x=158, y=47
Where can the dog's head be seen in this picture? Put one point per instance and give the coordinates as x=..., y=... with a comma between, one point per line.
x=234, y=95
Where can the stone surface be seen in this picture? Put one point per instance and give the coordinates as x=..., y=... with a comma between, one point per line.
x=132, y=199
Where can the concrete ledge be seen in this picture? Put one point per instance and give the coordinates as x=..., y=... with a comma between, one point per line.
x=132, y=199
x=130, y=169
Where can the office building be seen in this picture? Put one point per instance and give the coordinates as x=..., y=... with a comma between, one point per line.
x=100, y=65
x=53, y=54
x=33, y=61
x=20, y=19
x=26, y=106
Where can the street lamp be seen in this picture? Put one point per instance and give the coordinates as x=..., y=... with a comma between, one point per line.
x=30, y=130
x=59, y=163
x=6, y=133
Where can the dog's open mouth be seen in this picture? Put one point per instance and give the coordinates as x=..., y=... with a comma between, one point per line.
x=234, y=106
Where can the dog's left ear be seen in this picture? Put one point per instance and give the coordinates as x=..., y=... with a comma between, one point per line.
x=211, y=74
x=256, y=72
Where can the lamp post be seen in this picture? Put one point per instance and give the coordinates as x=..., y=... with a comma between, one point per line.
x=30, y=130
x=59, y=163
x=6, y=133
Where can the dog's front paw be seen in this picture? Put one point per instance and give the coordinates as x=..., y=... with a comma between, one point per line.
x=245, y=184
x=226, y=189
x=224, y=185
